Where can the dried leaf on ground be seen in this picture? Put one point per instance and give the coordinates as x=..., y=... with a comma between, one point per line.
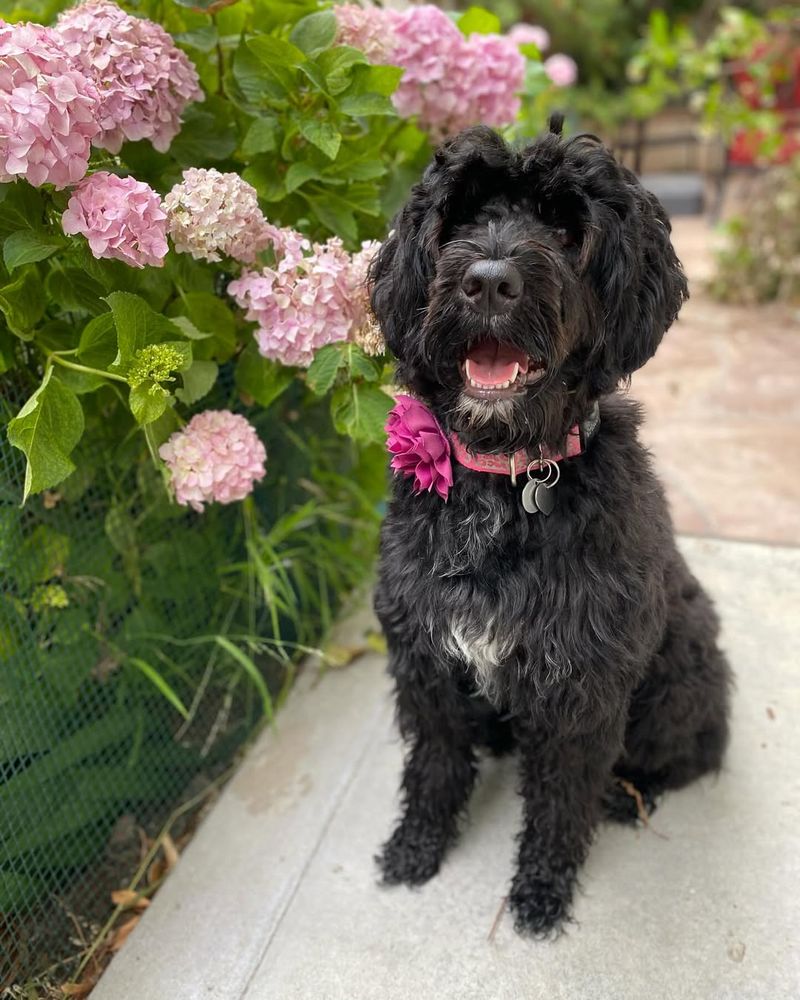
x=122, y=933
x=130, y=899
x=342, y=656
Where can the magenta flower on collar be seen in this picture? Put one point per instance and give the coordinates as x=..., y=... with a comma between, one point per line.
x=419, y=446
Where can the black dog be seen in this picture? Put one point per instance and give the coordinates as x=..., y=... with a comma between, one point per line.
x=517, y=291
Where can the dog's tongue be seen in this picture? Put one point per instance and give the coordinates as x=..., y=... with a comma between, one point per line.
x=492, y=363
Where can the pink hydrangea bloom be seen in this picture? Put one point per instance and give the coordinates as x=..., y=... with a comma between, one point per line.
x=359, y=272
x=530, y=34
x=436, y=64
x=145, y=82
x=365, y=28
x=212, y=215
x=48, y=110
x=562, y=69
x=419, y=446
x=217, y=457
x=121, y=217
x=499, y=75
x=304, y=302
x=449, y=81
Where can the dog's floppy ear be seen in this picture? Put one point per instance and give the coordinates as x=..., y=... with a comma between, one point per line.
x=459, y=174
x=404, y=267
x=639, y=279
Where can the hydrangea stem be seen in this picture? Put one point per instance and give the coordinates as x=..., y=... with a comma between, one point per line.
x=60, y=360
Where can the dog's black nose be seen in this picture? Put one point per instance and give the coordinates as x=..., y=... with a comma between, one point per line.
x=493, y=286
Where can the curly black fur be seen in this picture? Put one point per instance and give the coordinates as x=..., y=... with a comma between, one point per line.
x=582, y=638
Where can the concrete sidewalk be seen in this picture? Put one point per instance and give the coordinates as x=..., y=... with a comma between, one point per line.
x=276, y=897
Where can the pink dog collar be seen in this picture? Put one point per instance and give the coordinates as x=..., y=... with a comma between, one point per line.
x=518, y=463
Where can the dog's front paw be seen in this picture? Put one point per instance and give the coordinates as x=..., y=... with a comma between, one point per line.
x=540, y=905
x=412, y=855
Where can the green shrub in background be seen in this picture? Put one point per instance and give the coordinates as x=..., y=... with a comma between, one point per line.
x=760, y=259
x=634, y=61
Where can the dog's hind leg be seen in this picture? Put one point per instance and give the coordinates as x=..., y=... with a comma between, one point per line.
x=437, y=725
x=678, y=719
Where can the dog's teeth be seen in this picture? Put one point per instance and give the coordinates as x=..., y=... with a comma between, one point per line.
x=514, y=376
x=468, y=373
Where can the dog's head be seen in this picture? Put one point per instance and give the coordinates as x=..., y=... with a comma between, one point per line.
x=518, y=286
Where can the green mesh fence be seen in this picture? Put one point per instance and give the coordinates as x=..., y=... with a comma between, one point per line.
x=135, y=640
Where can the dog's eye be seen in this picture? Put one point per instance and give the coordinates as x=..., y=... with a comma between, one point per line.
x=565, y=237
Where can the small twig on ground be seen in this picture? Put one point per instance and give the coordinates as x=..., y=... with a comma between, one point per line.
x=498, y=917
x=641, y=809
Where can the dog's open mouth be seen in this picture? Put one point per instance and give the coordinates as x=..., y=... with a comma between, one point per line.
x=494, y=370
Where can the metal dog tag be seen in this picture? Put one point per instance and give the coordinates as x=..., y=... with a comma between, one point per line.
x=537, y=498
x=545, y=498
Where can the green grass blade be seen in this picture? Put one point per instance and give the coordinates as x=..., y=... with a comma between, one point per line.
x=163, y=685
x=250, y=669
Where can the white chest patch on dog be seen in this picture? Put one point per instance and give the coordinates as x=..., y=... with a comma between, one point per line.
x=478, y=645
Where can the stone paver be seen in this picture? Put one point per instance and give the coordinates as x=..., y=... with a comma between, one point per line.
x=276, y=899
x=722, y=403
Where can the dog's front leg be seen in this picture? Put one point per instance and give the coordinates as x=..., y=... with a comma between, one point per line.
x=438, y=773
x=562, y=783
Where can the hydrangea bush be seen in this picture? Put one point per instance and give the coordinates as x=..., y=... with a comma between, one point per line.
x=239, y=164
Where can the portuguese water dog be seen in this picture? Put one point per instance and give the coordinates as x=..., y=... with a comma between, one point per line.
x=535, y=599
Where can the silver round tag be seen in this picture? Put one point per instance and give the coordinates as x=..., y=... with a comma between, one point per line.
x=529, y=496
x=545, y=498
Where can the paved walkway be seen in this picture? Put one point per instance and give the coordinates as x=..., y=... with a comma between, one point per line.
x=722, y=397
x=276, y=898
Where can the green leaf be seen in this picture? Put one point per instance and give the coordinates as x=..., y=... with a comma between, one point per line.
x=205, y=136
x=210, y=315
x=137, y=326
x=321, y=134
x=359, y=411
x=369, y=170
x=478, y=21
x=46, y=429
x=315, y=32
x=21, y=207
x=27, y=246
x=74, y=290
x=362, y=366
x=336, y=215
x=80, y=383
x=261, y=137
x=22, y=303
x=8, y=355
x=255, y=81
x=337, y=66
x=298, y=173
x=262, y=175
x=375, y=80
x=161, y=683
x=42, y=556
x=260, y=378
x=279, y=58
x=188, y=329
x=250, y=669
x=198, y=380
x=203, y=39
x=363, y=105
x=323, y=369
x=98, y=344
x=148, y=401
